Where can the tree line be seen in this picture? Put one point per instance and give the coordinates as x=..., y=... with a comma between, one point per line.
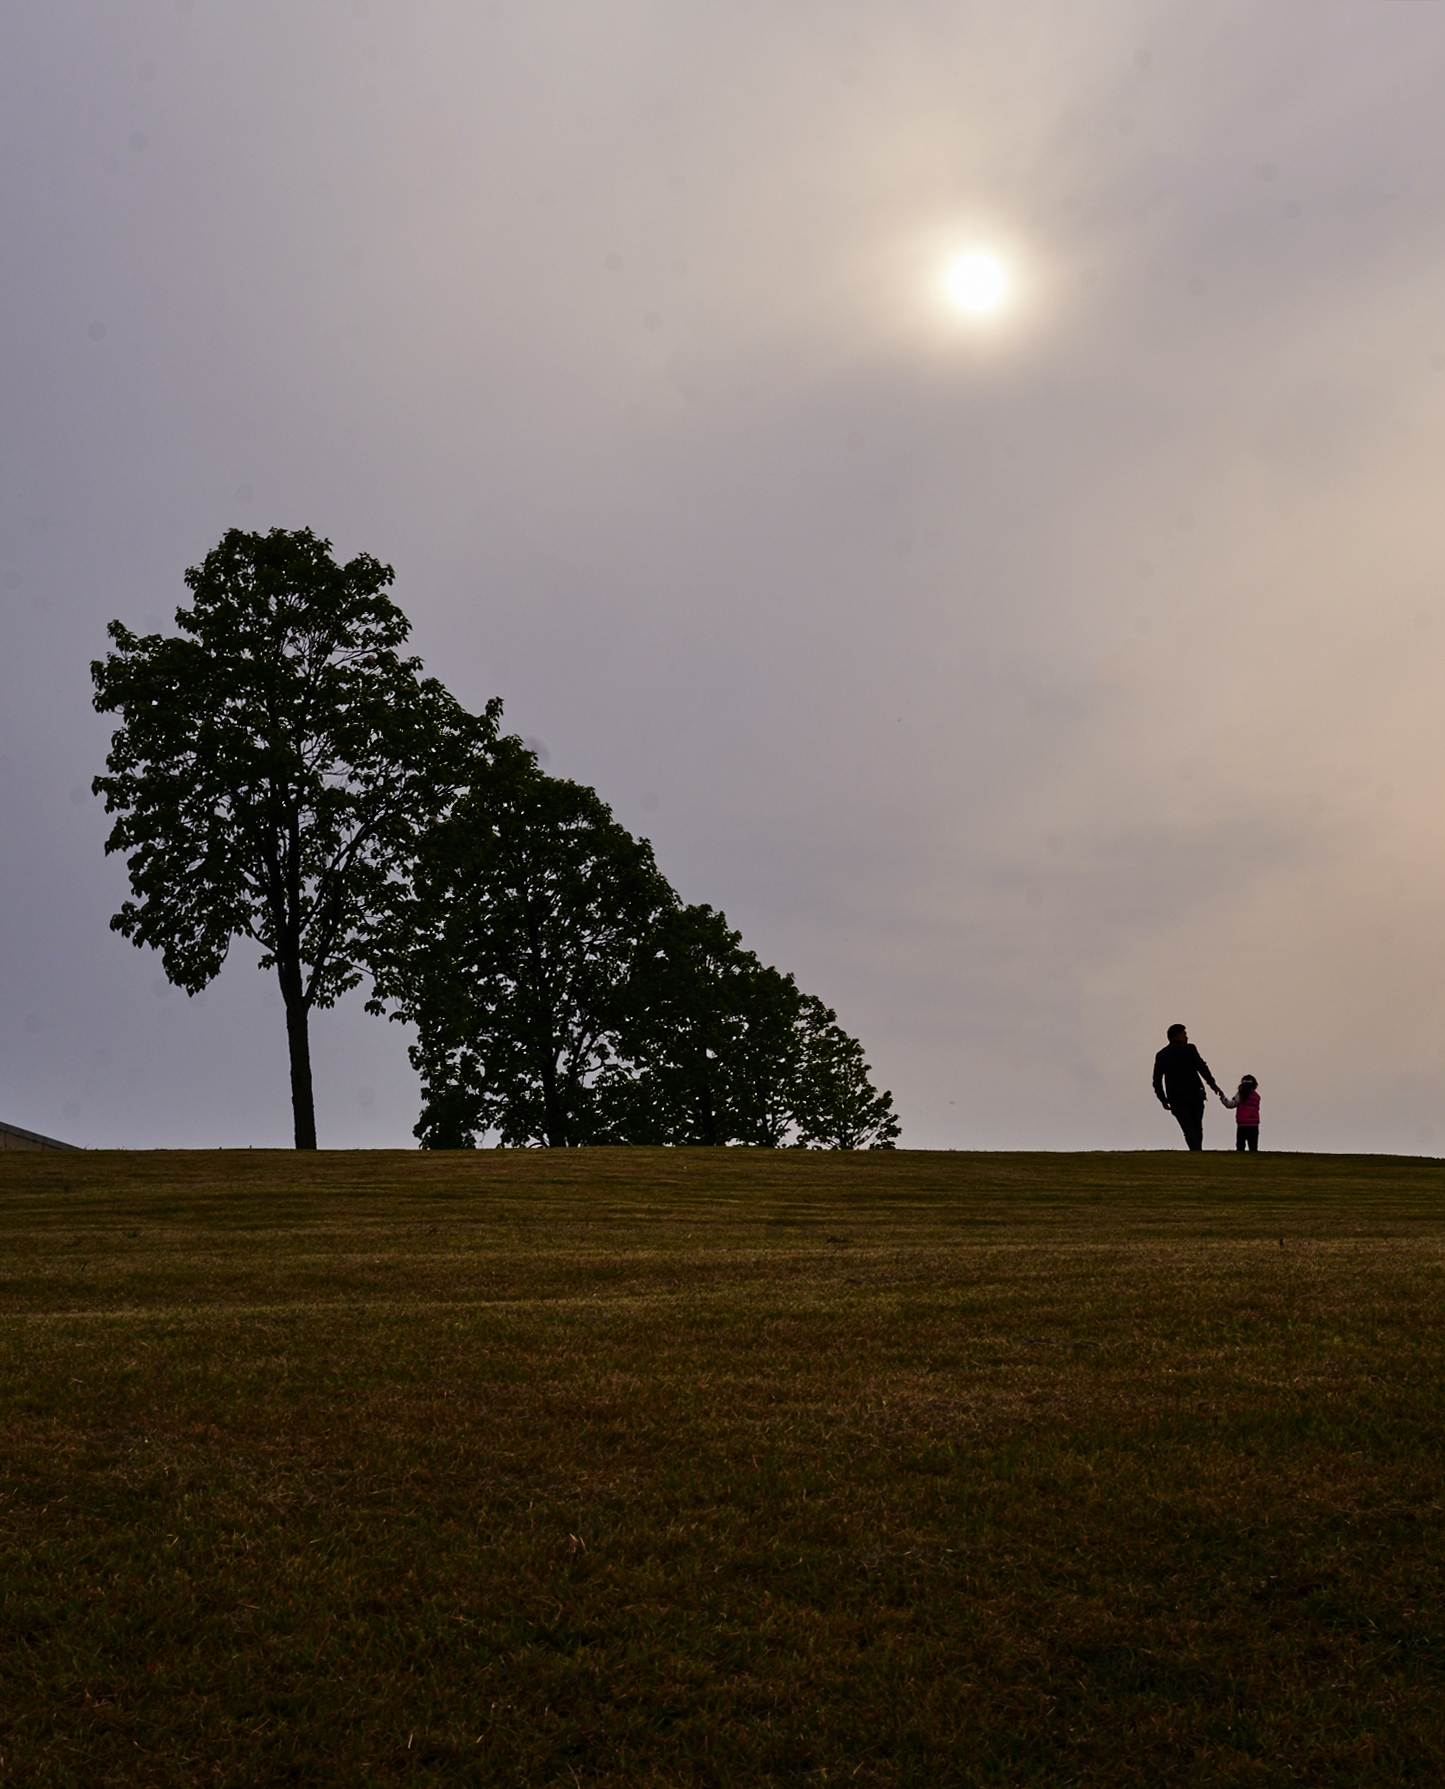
x=281, y=772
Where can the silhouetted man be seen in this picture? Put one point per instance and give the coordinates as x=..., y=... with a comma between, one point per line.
x=1179, y=1076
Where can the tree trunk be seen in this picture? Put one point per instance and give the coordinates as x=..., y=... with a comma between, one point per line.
x=551, y=1116
x=298, y=1036
x=707, y=1117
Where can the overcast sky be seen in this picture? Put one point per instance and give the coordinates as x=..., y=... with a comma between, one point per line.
x=1022, y=680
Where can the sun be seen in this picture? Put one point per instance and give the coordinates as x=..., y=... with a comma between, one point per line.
x=977, y=283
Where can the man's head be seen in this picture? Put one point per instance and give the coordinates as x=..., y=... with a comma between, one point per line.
x=1178, y=1034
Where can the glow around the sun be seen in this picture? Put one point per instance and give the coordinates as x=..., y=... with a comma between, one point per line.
x=977, y=283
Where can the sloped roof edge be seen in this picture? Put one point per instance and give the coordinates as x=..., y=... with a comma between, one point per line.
x=35, y=1137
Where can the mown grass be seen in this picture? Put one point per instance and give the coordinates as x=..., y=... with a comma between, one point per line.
x=721, y=1467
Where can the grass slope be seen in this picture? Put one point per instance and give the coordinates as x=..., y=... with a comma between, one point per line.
x=720, y=1467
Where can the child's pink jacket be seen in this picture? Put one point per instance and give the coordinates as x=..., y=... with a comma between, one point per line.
x=1247, y=1109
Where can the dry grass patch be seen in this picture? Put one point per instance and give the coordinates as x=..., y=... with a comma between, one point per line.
x=692, y=1467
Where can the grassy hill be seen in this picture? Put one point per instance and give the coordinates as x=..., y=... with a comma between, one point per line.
x=721, y=1467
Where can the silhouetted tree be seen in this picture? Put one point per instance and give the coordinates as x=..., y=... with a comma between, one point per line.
x=274, y=770
x=834, y=1102
x=681, y=1021
x=509, y=953
x=715, y=1047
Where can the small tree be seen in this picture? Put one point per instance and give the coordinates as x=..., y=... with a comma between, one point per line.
x=767, y=1057
x=509, y=952
x=715, y=1048
x=835, y=1104
x=274, y=770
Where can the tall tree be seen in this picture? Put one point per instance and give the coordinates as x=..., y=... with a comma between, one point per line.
x=274, y=769
x=682, y=1024
x=509, y=951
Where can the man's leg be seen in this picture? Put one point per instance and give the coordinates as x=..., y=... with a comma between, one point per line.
x=1191, y=1122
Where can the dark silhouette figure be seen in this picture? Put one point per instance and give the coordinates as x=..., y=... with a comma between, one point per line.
x=1180, y=1074
x=1246, y=1116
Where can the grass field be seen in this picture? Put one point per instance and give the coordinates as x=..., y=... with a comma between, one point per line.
x=721, y=1467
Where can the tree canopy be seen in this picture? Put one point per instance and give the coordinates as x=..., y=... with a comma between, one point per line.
x=510, y=953
x=562, y=994
x=276, y=766
x=720, y=1048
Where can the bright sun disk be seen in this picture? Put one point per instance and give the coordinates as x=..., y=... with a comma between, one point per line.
x=977, y=283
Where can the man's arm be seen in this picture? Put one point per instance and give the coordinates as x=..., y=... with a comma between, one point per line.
x=1204, y=1070
x=1159, y=1093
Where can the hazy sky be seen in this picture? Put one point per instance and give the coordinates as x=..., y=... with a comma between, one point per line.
x=1022, y=681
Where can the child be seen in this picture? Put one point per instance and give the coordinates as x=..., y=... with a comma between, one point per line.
x=1246, y=1124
